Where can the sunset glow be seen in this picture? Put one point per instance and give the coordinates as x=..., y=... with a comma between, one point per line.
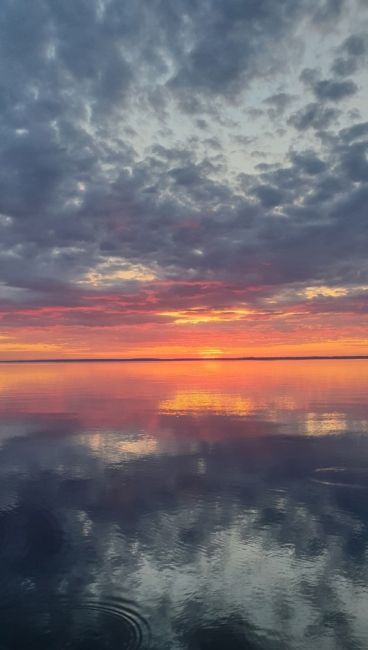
x=174, y=319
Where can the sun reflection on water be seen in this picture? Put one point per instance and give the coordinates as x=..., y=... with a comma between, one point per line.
x=206, y=402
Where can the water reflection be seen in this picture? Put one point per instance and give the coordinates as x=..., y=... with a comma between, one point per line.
x=176, y=506
x=202, y=402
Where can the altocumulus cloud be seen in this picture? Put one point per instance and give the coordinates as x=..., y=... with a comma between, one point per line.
x=131, y=134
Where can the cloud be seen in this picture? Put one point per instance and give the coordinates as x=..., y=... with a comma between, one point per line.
x=356, y=132
x=308, y=162
x=278, y=103
x=330, y=90
x=117, y=158
x=315, y=116
x=355, y=45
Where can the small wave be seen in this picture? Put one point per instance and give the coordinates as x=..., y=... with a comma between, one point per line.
x=222, y=635
x=347, y=477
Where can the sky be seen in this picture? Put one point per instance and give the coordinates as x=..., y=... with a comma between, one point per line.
x=183, y=178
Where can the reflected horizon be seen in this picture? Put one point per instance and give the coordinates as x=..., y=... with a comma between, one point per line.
x=184, y=506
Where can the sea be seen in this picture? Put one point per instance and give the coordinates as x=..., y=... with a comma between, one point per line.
x=199, y=505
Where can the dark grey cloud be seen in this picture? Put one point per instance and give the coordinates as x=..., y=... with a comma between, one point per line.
x=356, y=45
x=358, y=131
x=237, y=44
x=329, y=89
x=351, y=55
x=270, y=196
x=344, y=67
x=334, y=90
x=280, y=101
x=315, y=116
x=308, y=162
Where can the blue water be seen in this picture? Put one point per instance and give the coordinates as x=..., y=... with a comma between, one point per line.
x=198, y=506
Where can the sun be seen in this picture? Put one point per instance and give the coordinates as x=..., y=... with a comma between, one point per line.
x=207, y=353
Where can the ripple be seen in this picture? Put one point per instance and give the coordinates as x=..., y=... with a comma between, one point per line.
x=131, y=628
x=347, y=477
x=29, y=533
x=69, y=624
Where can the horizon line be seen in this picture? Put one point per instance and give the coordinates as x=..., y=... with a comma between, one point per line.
x=335, y=357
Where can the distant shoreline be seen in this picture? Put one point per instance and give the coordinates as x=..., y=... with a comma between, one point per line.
x=172, y=359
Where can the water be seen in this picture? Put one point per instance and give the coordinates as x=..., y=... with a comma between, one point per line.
x=199, y=506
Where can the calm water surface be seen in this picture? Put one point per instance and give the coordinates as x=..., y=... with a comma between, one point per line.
x=174, y=506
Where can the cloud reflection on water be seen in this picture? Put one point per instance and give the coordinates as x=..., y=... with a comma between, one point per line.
x=211, y=527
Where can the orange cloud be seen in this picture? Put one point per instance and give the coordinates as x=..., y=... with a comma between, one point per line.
x=187, y=318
